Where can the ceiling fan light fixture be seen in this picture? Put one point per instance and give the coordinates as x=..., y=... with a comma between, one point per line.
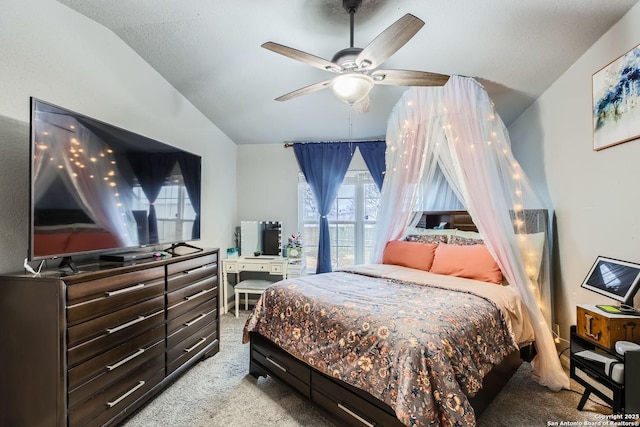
x=352, y=87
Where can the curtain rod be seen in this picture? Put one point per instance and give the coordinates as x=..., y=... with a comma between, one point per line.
x=288, y=144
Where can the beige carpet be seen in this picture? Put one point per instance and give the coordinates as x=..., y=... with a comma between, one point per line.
x=220, y=392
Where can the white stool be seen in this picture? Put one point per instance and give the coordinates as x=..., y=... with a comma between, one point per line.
x=247, y=287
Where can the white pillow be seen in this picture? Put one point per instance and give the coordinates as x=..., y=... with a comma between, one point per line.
x=532, y=247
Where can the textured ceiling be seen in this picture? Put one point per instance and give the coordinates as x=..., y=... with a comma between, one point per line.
x=210, y=52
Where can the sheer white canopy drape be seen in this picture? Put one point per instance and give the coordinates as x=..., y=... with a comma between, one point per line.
x=68, y=150
x=452, y=135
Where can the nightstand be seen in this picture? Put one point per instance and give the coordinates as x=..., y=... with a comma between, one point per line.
x=596, y=333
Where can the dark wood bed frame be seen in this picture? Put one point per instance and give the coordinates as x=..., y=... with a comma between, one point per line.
x=350, y=405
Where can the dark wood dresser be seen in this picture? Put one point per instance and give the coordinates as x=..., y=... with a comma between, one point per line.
x=89, y=348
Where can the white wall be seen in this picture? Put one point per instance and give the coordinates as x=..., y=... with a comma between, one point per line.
x=595, y=194
x=55, y=54
x=268, y=184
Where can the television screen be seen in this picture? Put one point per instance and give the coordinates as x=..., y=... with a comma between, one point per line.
x=614, y=278
x=96, y=187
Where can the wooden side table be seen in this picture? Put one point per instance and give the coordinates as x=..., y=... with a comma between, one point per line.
x=598, y=331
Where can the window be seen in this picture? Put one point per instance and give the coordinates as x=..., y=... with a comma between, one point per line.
x=173, y=208
x=351, y=220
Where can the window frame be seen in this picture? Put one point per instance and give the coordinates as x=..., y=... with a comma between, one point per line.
x=359, y=179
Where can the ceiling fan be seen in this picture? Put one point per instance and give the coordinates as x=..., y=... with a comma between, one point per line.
x=356, y=67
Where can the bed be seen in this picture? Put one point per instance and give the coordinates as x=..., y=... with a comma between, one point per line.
x=390, y=345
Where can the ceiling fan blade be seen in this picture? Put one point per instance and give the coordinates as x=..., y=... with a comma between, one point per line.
x=408, y=78
x=389, y=41
x=305, y=90
x=301, y=56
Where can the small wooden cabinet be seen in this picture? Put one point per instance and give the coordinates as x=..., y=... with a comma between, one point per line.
x=605, y=329
x=89, y=348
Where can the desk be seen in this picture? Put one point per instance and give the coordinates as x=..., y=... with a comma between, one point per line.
x=273, y=265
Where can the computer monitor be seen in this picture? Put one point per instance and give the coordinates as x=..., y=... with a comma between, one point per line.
x=613, y=278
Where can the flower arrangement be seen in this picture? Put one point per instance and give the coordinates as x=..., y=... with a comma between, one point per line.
x=295, y=241
x=294, y=246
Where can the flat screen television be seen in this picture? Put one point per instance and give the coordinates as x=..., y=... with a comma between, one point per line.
x=97, y=188
x=613, y=278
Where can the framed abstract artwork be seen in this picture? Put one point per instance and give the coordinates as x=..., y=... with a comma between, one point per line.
x=616, y=101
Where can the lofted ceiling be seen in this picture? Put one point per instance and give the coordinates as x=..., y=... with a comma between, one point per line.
x=209, y=50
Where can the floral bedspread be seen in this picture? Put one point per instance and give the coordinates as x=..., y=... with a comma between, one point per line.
x=418, y=348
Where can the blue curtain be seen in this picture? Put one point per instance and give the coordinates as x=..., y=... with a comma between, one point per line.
x=190, y=166
x=373, y=153
x=324, y=166
x=152, y=170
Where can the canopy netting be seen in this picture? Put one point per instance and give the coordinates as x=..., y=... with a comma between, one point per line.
x=448, y=149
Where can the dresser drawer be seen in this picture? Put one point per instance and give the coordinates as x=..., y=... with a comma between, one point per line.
x=231, y=266
x=86, y=350
x=128, y=319
x=91, y=289
x=188, y=348
x=109, y=402
x=191, y=264
x=281, y=364
x=276, y=268
x=196, y=318
x=182, y=334
x=112, y=300
x=250, y=266
x=185, y=299
x=184, y=278
x=348, y=407
x=96, y=374
x=111, y=361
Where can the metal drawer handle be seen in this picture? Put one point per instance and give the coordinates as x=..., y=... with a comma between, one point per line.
x=276, y=364
x=595, y=336
x=197, y=319
x=193, y=270
x=190, y=349
x=199, y=294
x=124, y=396
x=125, y=290
x=125, y=360
x=354, y=415
x=126, y=325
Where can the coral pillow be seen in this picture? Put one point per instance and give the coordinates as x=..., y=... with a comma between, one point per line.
x=470, y=261
x=416, y=255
